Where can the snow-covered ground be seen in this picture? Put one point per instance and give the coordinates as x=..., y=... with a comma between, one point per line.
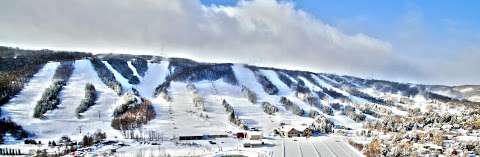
x=343, y=120
x=119, y=77
x=252, y=114
x=474, y=98
x=134, y=70
x=324, y=84
x=247, y=78
x=20, y=108
x=98, y=117
x=309, y=84
x=176, y=118
x=283, y=89
x=314, y=147
x=155, y=75
x=185, y=119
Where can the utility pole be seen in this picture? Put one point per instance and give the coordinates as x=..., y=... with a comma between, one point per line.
x=80, y=129
x=98, y=114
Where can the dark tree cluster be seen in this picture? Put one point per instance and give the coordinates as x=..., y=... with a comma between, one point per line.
x=227, y=106
x=269, y=108
x=122, y=67
x=95, y=138
x=321, y=94
x=107, y=56
x=88, y=100
x=52, y=143
x=322, y=124
x=300, y=87
x=336, y=106
x=106, y=75
x=8, y=126
x=327, y=110
x=290, y=106
x=285, y=78
x=410, y=91
x=133, y=113
x=306, y=75
x=189, y=71
x=267, y=85
x=313, y=114
x=18, y=66
x=64, y=71
x=351, y=112
x=334, y=94
x=314, y=101
x=13, y=81
x=324, y=108
x=324, y=77
x=131, y=101
x=156, y=59
x=341, y=81
x=366, y=96
x=162, y=90
x=310, y=99
x=369, y=111
x=141, y=65
x=31, y=141
x=393, y=87
x=251, y=96
x=232, y=117
x=50, y=98
x=435, y=96
x=14, y=58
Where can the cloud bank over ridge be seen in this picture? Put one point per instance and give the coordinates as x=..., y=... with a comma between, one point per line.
x=265, y=33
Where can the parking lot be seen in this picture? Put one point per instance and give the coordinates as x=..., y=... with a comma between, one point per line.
x=315, y=147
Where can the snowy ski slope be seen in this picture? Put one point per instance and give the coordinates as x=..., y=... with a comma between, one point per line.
x=20, y=108
x=175, y=118
x=97, y=117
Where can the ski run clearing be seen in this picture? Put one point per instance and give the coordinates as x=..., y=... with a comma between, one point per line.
x=178, y=117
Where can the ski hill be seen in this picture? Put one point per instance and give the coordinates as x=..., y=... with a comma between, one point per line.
x=140, y=105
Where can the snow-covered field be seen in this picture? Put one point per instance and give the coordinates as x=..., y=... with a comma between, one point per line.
x=187, y=120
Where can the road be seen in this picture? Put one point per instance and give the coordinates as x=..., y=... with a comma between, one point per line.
x=314, y=147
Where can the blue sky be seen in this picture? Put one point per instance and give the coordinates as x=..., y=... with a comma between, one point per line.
x=453, y=25
x=429, y=32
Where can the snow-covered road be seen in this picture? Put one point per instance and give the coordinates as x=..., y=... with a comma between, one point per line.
x=314, y=147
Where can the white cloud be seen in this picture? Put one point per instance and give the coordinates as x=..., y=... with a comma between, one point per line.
x=266, y=33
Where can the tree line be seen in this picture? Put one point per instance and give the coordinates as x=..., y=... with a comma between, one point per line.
x=88, y=100
x=50, y=99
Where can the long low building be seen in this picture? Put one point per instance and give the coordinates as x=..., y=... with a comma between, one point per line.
x=200, y=137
